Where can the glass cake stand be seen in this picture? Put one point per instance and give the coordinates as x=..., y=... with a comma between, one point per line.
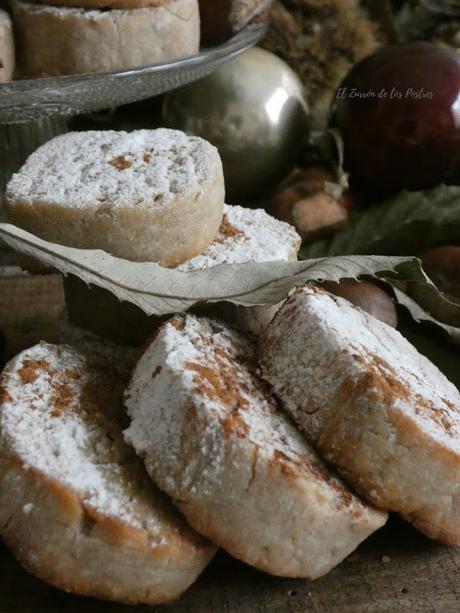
x=34, y=110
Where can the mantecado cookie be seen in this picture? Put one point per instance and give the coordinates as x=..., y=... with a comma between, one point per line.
x=213, y=438
x=7, y=57
x=247, y=235
x=112, y=4
x=60, y=40
x=76, y=505
x=147, y=195
x=379, y=411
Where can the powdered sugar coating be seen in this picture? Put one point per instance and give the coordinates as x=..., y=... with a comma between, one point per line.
x=247, y=235
x=200, y=363
x=214, y=439
x=162, y=10
x=144, y=168
x=62, y=11
x=61, y=415
x=145, y=196
x=90, y=14
x=319, y=344
x=5, y=19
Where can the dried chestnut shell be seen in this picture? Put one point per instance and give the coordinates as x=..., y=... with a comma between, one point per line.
x=367, y=296
x=442, y=265
x=303, y=202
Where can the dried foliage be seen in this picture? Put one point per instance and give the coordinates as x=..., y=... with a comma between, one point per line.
x=320, y=40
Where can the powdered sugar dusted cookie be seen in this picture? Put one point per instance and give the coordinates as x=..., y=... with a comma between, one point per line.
x=7, y=57
x=115, y=4
x=62, y=40
x=76, y=505
x=147, y=195
x=248, y=235
x=379, y=411
x=214, y=439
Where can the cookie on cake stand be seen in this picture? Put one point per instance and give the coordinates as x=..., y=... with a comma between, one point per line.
x=32, y=111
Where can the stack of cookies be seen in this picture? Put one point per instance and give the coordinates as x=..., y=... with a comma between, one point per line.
x=129, y=503
x=82, y=36
x=146, y=196
x=65, y=37
x=287, y=451
x=78, y=507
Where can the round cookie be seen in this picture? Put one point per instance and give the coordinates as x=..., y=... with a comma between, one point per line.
x=76, y=505
x=7, y=55
x=59, y=40
x=111, y=4
x=147, y=195
x=215, y=440
x=377, y=410
x=247, y=235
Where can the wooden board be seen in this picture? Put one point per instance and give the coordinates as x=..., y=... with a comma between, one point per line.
x=395, y=570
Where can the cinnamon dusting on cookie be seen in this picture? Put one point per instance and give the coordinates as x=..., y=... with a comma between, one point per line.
x=227, y=230
x=30, y=370
x=247, y=235
x=4, y=396
x=121, y=163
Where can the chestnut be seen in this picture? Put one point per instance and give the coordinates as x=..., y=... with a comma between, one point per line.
x=442, y=265
x=304, y=202
x=367, y=296
x=318, y=215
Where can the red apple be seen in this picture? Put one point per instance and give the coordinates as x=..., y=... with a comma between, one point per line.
x=399, y=114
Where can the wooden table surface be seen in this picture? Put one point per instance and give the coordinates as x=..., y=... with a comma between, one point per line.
x=395, y=570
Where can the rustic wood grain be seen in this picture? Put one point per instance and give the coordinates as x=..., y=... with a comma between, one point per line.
x=395, y=570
